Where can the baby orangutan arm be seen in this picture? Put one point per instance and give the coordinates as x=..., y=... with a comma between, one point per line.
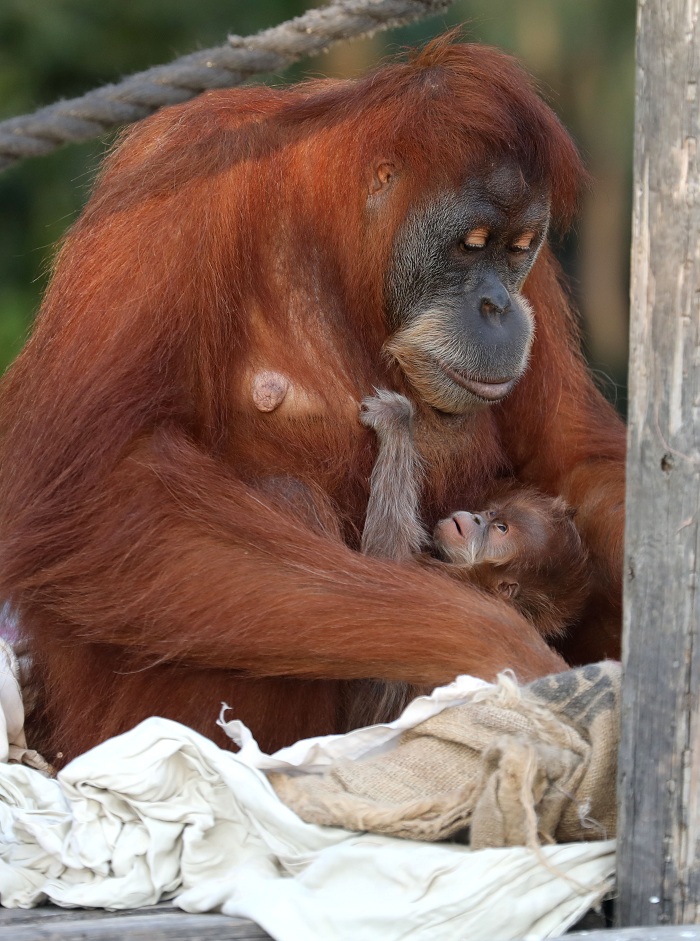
x=393, y=529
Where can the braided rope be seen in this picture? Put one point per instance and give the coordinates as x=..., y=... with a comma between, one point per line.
x=141, y=94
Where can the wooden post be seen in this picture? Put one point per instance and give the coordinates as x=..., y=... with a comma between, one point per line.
x=659, y=777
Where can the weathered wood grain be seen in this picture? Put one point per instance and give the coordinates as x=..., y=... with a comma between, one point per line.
x=667, y=933
x=659, y=777
x=163, y=922
x=157, y=923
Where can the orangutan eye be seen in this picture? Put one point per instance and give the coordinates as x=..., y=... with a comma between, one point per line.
x=475, y=239
x=501, y=527
x=523, y=243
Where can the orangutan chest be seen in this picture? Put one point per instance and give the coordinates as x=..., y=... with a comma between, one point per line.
x=287, y=428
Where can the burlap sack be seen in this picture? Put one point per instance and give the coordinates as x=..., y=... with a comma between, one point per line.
x=516, y=765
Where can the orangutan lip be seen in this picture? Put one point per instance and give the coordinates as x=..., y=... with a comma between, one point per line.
x=488, y=391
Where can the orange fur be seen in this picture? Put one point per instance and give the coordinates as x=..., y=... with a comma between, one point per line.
x=150, y=567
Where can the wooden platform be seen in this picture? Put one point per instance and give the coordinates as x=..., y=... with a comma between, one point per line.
x=165, y=923
x=157, y=923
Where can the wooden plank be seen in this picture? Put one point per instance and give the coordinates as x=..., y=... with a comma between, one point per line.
x=17, y=916
x=156, y=923
x=659, y=777
x=667, y=933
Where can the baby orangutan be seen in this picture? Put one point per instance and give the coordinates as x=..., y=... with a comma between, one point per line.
x=522, y=546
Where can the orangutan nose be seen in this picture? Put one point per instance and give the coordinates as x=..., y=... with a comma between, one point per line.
x=495, y=300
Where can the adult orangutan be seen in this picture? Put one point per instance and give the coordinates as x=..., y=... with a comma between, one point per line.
x=184, y=474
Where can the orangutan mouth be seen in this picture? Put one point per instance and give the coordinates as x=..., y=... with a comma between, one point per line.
x=487, y=391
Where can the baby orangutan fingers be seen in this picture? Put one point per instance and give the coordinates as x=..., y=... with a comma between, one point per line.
x=387, y=412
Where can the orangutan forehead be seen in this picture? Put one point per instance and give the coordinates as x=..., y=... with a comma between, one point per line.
x=502, y=199
x=505, y=187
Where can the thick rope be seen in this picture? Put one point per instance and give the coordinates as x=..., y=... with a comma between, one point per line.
x=139, y=95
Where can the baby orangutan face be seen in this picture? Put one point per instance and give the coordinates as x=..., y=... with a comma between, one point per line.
x=523, y=546
x=490, y=537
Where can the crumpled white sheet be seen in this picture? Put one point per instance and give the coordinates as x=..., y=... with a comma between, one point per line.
x=13, y=744
x=161, y=811
x=11, y=708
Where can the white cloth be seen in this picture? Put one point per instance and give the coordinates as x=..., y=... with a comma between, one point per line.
x=161, y=811
x=13, y=744
x=11, y=708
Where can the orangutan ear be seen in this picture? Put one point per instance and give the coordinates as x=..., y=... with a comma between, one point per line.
x=382, y=176
x=508, y=589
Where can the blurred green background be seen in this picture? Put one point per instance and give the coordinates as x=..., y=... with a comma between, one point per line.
x=582, y=55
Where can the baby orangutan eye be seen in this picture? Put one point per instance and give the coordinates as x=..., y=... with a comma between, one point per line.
x=501, y=527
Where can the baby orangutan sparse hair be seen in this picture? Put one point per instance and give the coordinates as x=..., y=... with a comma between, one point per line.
x=523, y=545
